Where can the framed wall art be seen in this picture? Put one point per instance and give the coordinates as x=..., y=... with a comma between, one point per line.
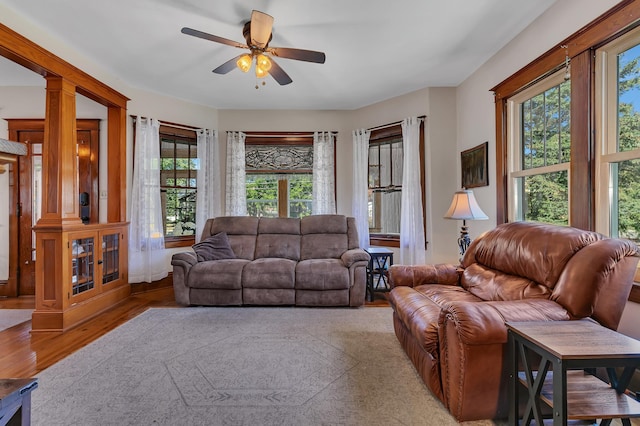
x=475, y=166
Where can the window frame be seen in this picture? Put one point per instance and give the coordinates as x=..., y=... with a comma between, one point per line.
x=607, y=152
x=388, y=133
x=183, y=131
x=514, y=140
x=284, y=139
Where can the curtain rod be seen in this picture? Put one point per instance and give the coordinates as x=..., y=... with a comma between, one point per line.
x=277, y=135
x=168, y=123
x=397, y=123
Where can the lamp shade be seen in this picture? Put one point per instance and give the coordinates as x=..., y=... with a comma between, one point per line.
x=465, y=207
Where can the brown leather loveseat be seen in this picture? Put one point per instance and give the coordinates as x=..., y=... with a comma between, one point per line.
x=450, y=319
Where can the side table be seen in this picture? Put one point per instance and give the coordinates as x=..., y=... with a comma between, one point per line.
x=15, y=401
x=563, y=349
x=380, y=260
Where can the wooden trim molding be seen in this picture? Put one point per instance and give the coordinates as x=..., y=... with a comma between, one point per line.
x=28, y=54
x=580, y=47
x=634, y=296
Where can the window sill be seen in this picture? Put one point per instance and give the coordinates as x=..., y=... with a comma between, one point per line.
x=384, y=240
x=173, y=242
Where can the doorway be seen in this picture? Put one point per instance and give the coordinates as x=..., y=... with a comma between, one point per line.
x=26, y=194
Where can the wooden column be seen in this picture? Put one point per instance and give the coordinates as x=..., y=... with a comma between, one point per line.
x=59, y=204
x=59, y=156
x=117, y=165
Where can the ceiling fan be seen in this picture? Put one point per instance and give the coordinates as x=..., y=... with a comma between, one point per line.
x=257, y=33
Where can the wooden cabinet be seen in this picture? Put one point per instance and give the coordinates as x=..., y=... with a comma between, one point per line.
x=90, y=276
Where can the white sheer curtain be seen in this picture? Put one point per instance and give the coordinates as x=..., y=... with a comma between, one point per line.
x=209, y=189
x=360, y=204
x=412, y=242
x=236, y=190
x=146, y=232
x=324, y=197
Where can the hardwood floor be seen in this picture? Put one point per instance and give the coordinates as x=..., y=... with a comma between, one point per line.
x=23, y=354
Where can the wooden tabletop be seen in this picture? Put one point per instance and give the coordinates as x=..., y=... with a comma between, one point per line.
x=579, y=339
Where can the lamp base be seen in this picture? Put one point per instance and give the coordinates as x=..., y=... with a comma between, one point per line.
x=463, y=240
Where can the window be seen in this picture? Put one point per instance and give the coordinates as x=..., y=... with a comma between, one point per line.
x=385, y=186
x=618, y=170
x=279, y=179
x=540, y=140
x=385, y=183
x=279, y=195
x=178, y=170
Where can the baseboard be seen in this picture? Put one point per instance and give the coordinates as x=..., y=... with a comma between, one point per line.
x=144, y=287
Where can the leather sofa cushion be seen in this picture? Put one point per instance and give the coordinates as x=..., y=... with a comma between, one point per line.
x=537, y=252
x=321, y=274
x=490, y=284
x=217, y=274
x=419, y=309
x=269, y=273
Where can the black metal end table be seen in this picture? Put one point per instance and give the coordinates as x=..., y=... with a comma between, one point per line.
x=377, y=279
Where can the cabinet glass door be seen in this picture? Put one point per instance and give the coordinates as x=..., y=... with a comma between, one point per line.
x=82, y=258
x=110, y=258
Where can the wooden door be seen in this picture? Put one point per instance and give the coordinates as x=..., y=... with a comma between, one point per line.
x=27, y=194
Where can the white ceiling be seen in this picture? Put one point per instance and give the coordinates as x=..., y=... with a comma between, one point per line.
x=375, y=49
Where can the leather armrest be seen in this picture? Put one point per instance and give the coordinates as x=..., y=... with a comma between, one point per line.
x=352, y=256
x=415, y=275
x=482, y=323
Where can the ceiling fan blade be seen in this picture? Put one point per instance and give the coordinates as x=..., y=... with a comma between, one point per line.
x=211, y=37
x=298, y=54
x=261, y=25
x=278, y=74
x=230, y=65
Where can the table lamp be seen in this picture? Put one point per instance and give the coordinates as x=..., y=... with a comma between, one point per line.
x=464, y=207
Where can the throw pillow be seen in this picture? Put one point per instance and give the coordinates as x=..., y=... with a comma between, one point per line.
x=215, y=247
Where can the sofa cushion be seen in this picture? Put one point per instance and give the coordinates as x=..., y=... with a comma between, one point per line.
x=419, y=309
x=323, y=224
x=323, y=237
x=217, y=274
x=489, y=284
x=241, y=231
x=215, y=247
x=321, y=274
x=269, y=273
x=531, y=250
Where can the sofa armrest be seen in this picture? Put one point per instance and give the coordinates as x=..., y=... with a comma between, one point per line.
x=415, y=275
x=479, y=323
x=184, y=259
x=182, y=263
x=352, y=256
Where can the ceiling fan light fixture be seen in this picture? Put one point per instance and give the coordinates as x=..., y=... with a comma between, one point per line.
x=244, y=62
x=260, y=72
x=263, y=62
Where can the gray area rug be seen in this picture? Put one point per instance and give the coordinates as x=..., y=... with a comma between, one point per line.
x=11, y=317
x=241, y=366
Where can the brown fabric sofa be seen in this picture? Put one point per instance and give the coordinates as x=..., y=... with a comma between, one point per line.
x=450, y=319
x=313, y=261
